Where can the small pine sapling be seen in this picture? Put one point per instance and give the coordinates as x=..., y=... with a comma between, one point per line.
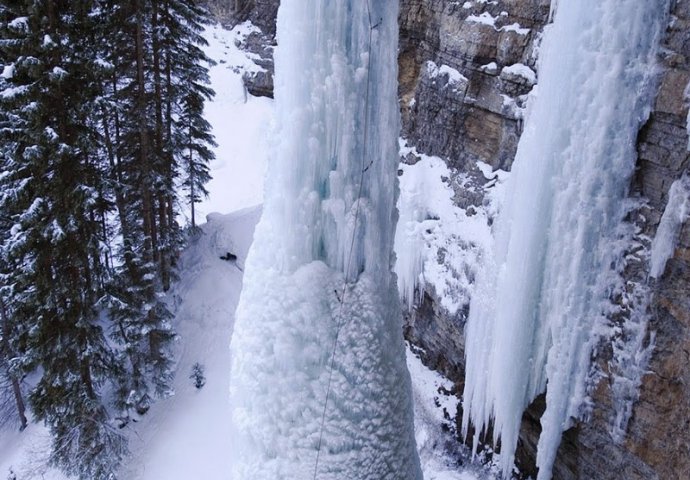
x=198, y=375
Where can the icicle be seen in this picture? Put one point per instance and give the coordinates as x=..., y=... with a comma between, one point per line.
x=532, y=322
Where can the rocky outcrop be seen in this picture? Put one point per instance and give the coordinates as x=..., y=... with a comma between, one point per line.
x=262, y=13
x=466, y=69
x=261, y=45
x=659, y=433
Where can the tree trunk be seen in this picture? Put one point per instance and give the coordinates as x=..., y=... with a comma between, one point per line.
x=150, y=238
x=16, y=388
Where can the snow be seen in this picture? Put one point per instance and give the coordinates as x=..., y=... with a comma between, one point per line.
x=188, y=435
x=450, y=76
x=522, y=71
x=515, y=27
x=26, y=453
x=490, y=68
x=8, y=72
x=438, y=245
x=675, y=214
x=434, y=408
x=564, y=201
x=319, y=307
x=11, y=92
x=47, y=41
x=19, y=23
x=58, y=73
x=454, y=77
x=484, y=18
x=241, y=124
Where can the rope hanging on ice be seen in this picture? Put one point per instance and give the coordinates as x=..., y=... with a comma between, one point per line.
x=341, y=297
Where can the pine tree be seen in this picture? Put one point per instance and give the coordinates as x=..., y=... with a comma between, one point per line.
x=10, y=375
x=187, y=85
x=141, y=318
x=102, y=137
x=50, y=192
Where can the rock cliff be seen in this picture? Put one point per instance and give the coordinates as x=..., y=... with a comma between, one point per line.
x=466, y=69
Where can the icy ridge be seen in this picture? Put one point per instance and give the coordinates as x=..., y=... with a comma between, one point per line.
x=676, y=212
x=535, y=316
x=319, y=274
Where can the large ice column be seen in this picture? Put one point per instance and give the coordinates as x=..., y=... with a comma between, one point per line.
x=320, y=267
x=533, y=319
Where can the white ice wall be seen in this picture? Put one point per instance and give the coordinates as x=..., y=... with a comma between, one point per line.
x=533, y=319
x=321, y=262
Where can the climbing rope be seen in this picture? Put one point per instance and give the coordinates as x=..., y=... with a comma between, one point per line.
x=341, y=298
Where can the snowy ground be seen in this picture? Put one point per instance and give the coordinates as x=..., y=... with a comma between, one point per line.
x=241, y=124
x=187, y=436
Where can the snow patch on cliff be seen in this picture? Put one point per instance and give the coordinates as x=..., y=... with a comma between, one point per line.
x=440, y=246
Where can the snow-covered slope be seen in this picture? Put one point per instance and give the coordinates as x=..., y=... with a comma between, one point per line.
x=241, y=125
x=188, y=435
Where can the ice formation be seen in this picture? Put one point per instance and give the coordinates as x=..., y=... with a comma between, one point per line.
x=440, y=246
x=319, y=274
x=534, y=315
x=676, y=212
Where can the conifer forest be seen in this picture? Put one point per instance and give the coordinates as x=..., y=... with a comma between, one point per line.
x=102, y=141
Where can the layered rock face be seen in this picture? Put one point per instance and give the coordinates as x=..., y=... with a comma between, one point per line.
x=462, y=101
x=659, y=433
x=466, y=69
x=469, y=111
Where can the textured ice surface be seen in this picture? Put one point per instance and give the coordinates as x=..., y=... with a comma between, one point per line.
x=322, y=259
x=533, y=315
x=676, y=212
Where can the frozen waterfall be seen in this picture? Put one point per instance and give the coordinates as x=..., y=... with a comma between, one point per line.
x=535, y=315
x=320, y=267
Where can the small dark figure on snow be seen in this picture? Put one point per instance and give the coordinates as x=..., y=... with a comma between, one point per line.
x=230, y=257
x=198, y=375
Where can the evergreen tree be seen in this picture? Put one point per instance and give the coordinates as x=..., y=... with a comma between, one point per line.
x=10, y=375
x=187, y=88
x=50, y=193
x=102, y=137
x=141, y=319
